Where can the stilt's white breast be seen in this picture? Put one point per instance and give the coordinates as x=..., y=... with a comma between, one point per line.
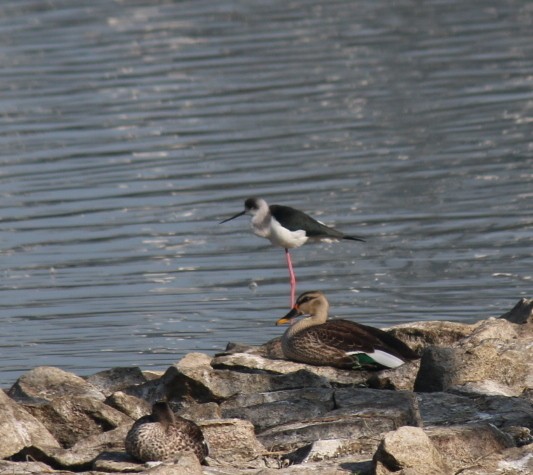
x=266, y=226
x=281, y=236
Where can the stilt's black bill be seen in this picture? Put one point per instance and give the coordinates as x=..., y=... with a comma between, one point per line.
x=233, y=217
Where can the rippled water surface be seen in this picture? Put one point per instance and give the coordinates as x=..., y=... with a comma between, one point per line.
x=129, y=129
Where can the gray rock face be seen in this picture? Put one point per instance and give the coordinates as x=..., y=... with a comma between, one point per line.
x=19, y=429
x=46, y=382
x=409, y=448
x=497, y=351
x=71, y=419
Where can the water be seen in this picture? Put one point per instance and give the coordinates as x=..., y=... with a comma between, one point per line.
x=129, y=129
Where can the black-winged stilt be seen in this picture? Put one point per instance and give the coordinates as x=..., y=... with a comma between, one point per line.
x=288, y=228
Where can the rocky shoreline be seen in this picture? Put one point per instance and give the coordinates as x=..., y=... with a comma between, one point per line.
x=466, y=407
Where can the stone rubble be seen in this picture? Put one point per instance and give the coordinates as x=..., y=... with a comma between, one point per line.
x=465, y=407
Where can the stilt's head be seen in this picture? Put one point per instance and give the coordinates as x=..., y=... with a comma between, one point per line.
x=251, y=206
x=313, y=304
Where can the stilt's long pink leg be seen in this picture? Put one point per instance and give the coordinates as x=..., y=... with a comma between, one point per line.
x=292, y=278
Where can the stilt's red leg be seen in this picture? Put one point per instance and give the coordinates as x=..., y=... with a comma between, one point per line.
x=292, y=278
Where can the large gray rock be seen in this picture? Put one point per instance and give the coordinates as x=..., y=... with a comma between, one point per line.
x=409, y=450
x=83, y=454
x=72, y=418
x=19, y=429
x=461, y=445
x=194, y=378
x=47, y=382
x=522, y=312
x=259, y=364
x=497, y=351
x=132, y=406
x=269, y=409
x=116, y=379
x=453, y=409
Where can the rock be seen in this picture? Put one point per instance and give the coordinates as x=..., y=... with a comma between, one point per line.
x=256, y=363
x=47, y=382
x=187, y=464
x=117, y=462
x=497, y=351
x=132, y=406
x=401, y=378
x=265, y=410
x=409, y=448
x=420, y=335
x=462, y=445
x=194, y=378
x=232, y=441
x=399, y=407
x=522, y=312
x=72, y=418
x=83, y=454
x=453, y=409
x=116, y=379
x=25, y=468
x=516, y=461
x=19, y=429
x=197, y=412
x=332, y=449
x=286, y=437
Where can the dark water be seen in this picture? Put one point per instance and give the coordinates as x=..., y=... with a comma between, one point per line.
x=129, y=129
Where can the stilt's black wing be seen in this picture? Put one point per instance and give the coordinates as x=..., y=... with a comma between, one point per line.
x=294, y=220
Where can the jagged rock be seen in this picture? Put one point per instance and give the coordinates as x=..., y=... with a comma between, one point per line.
x=196, y=412
x=265, y=410
x=187, y=464
x=496, y=351
x=19, y=429
x=83, y=454
x=409, y=448
x=72, y=418
x=194, y=378
x=116, y=379
x=250, y=362
x=420, y=335
x=462, y=445
x=401, y=378
x=400, y=407
x=516, y=461
x=23, y=468
x=132, y=406
x=47, y=382
x=522, y=312
x=117, y=462
x=359, y=414
x=325, y=449
x=232, y=441
x=452, y=409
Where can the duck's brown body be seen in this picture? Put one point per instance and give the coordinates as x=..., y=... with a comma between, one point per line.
x=339, y=343
x=164, y=436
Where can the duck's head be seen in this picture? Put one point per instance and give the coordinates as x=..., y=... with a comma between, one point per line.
x=161, y=412
x=311, y=304
x=252, y=206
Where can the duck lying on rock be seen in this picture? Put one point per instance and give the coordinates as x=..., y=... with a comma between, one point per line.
x=340, y=343
x=164, y=436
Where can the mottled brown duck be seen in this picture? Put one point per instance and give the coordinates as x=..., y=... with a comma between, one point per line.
x=164, y=436
x=340, y=343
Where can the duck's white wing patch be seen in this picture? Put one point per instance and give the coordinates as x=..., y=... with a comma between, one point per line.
x=381, y=357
